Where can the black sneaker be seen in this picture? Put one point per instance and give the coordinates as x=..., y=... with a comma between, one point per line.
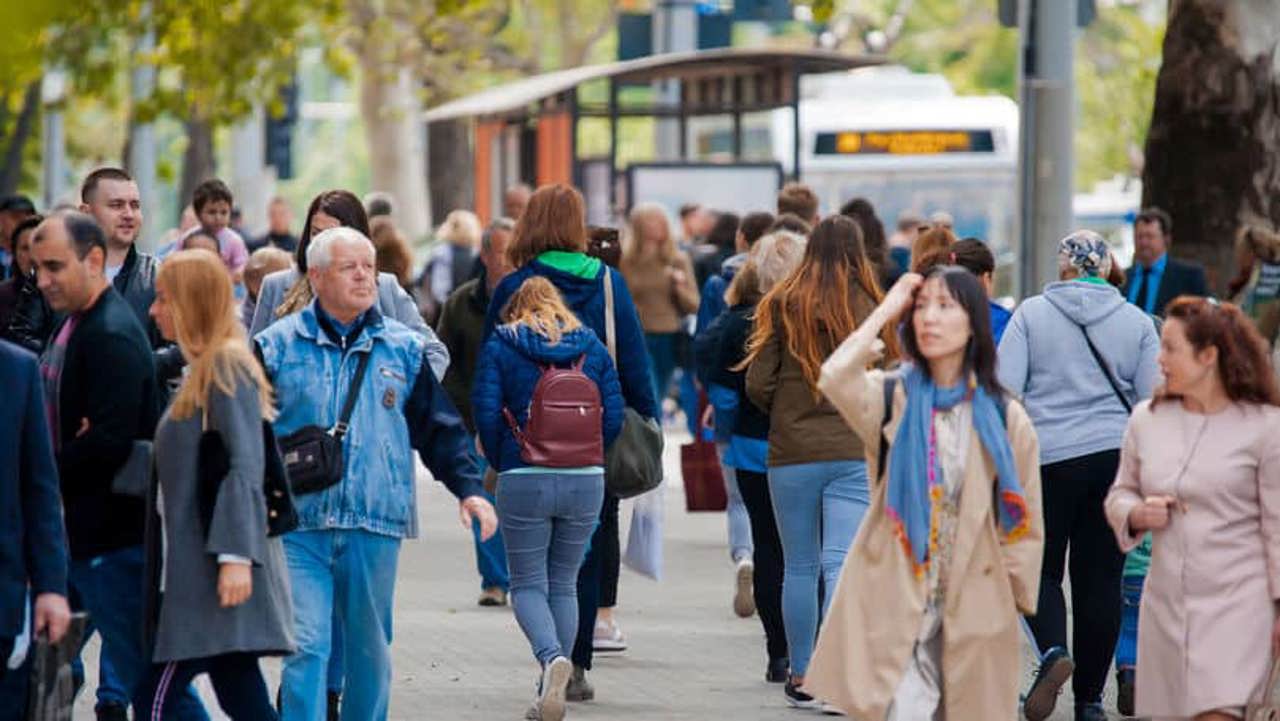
x=111, y=712
x=797, y=698
x=1124, y=695
x=333, y=706
x=1055, y=668
x=776, y=671
x=1090, y=712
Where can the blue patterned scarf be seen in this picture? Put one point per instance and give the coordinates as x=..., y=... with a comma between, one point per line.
x=915, y=482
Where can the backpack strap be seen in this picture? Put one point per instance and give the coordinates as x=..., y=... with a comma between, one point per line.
x=580, y=362
x=515, y=427
x=890, y=383
x=610, y=326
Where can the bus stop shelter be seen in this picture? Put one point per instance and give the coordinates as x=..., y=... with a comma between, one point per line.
x=527, y=130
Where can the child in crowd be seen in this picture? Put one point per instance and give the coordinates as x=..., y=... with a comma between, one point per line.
x=263, y=262
x=212, y=202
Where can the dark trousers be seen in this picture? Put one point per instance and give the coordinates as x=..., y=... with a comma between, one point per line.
x=13, y=684
x=1073, y=493
x=236, y=679
x=611, y=552
x=592, y=576
x=767, y=558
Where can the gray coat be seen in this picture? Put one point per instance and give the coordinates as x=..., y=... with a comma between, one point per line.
x=191, y=623
x=393, y=302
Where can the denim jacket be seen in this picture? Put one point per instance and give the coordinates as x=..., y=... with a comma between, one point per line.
x=400, y=408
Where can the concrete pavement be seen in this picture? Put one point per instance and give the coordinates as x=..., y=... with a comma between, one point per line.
x=690, y=657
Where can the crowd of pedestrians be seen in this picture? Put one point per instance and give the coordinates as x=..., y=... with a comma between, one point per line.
x=210, y=450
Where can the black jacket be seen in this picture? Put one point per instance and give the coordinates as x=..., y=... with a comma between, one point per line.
x=721, y=347
x=26, y=318
x=1179, y=279
x=136, y=283
x=108, y=378
x=461, y=329
x=32, y=545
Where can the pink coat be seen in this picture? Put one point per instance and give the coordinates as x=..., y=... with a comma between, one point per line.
x=1204, y=630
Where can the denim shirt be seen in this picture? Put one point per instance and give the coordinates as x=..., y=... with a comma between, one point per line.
x=399, y=408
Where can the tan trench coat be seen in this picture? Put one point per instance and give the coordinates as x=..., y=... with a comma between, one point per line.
x=875, y=616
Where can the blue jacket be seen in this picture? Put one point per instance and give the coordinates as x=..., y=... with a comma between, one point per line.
x=401, y=408
x=713, y=302
x=585, y=297
x=33, y=545
x=510, y=365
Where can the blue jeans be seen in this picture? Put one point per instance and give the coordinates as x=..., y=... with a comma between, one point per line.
x=1127, y=644
x=350, y=573
x=491, y=556
x=662, y=365
x=740, y=543
x=110, y=690
x=819, y=507
x=111, y=588
x=548, y=519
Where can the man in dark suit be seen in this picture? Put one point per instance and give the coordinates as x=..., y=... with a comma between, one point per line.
x=1155, y=278
x=32, y=547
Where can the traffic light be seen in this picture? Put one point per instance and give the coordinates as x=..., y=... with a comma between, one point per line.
x=279, y=133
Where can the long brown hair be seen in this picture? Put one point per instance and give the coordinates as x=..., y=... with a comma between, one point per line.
x=1243, y=363
x=822, y=301
x=537, y=304
x=554, y=219
x=633, y=245
x=198, y=290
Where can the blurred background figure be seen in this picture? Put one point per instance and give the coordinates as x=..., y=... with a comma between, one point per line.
x=393, y=254
x=378, y=204
x=515, y=200
x=279, y=223
x=450, y=263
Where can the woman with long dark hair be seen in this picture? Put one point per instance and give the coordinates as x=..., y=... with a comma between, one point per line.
x=286, y=292
x=1200, y=470
x=817, y=472
x=949, y=553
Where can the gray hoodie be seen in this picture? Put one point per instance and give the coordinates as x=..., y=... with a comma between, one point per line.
x=1045, y=360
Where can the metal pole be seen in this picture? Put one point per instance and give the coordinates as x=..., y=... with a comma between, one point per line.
x=1048, y=160
x=795, y=124
x=675, y=29
x=613, y=146
x=737, y=119
x=142, y=147
x=53, y=146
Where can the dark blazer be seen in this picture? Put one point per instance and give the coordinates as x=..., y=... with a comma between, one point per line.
x=109, y=378
x=1179, y=279
x=461, y=329
x=32, y=542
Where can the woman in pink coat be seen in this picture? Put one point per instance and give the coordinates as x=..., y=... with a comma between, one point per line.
x=1200, y=468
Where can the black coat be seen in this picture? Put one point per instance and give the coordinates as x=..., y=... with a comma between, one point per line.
x=721, y=347
x=32, y=549
x=1179, y=279
x=108, y=378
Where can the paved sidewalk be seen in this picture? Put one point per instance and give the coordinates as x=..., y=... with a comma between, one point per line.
x=690, y=658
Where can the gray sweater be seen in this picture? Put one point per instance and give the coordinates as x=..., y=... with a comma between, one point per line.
x=1045, y=360
x=191, y=623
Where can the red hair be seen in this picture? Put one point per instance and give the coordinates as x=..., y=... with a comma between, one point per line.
x=1243, y=362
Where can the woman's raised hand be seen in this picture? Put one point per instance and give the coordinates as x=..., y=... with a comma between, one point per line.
x=902, y=294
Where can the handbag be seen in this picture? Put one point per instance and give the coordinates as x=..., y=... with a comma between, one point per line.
x=633, y=464
x=703, y=479
x=313, y=455
x=1268, y=709
x=134, y=477
x=213, y=464
x=52, y=691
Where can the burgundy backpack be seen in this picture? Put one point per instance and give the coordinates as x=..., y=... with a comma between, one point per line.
x=565, y=424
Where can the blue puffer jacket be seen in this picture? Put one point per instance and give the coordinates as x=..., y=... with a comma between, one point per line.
x=509, y=367
x=585, y=297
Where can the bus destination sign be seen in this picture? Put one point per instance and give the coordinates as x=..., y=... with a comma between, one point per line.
x=904, y=142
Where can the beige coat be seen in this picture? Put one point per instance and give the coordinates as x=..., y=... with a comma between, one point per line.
x=879, y=603
x=1204, y=630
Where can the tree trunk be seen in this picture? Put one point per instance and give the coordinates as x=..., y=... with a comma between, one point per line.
x=1213, y=151
x=11, y=163
x=197, y=163
x=394, y=130
x=449, y=170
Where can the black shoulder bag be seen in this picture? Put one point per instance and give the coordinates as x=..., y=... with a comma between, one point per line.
x=213, y=465
x=313, y=455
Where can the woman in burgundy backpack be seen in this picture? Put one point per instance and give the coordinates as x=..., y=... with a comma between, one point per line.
x=547, y=402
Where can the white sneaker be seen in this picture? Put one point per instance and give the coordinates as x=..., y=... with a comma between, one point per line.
x=551, y=699
x=829, y=710
x=608, y=638
x=744, y=595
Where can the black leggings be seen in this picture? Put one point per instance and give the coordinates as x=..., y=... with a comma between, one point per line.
x=767, y=558
x=592, y=578
x=1074, y=491
x=611, y=552
x=236, y=679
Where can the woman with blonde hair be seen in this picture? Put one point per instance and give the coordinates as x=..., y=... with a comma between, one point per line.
x=451, y=262
x=662, y=282
x=222, y=592
x=816, y=465
x=550, y=241
x=547, y=504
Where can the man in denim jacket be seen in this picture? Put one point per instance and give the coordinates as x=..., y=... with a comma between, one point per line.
x=343, y=556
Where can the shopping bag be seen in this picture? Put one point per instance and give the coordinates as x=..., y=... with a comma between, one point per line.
x=644, y=541
x=52, y=692
x=704, y=488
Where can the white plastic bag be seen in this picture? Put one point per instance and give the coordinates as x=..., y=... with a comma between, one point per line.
x=644, y=541
x=22, y=643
